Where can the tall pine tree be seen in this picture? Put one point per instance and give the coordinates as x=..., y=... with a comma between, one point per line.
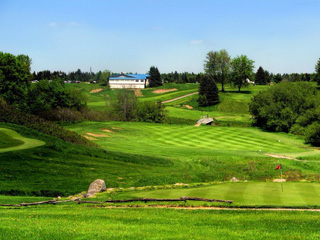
x=155, y=77
x=260, y=77
x=208, y=91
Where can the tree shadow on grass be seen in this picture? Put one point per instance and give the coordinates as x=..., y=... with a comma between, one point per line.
x=236, y=91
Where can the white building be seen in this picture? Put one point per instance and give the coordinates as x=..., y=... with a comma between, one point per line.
x=129, y=81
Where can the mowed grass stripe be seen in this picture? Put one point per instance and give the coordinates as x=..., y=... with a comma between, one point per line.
x=247, y=193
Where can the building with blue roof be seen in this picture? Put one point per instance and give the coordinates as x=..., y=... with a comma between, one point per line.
x=129, y=80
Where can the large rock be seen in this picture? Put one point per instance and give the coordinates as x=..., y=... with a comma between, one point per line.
x=97, y=186
x=234, y=179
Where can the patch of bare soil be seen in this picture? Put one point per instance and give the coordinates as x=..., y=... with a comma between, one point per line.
x=97, y=134
x=89, y=138
x=107, y=130
x=164, y=90
x=138, y=93
x=188, y=106
x=282, y=156
x=96, y=90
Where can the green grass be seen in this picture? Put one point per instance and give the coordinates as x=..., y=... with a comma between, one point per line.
x=244, y=194
x=189, y=142
x=12, y=141
x=84, y=222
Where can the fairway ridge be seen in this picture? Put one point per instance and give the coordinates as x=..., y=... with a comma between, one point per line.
x=24, y=143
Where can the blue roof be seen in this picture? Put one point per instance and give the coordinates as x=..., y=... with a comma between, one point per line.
x=129, y=76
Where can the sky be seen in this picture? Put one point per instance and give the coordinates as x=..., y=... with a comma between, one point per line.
x=282, y=36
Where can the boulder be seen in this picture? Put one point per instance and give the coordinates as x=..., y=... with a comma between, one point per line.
x=97, y=186
x=234, y=179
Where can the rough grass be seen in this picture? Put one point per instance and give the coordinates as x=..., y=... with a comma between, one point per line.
x=81, y=222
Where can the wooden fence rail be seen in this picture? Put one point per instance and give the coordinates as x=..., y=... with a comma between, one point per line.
x=184, y=199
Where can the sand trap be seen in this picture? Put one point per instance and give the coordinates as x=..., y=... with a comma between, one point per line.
x=138, y=93
x=164, y=90
x=97, y=134
x=96, y=90
x=197, y=125
x=188, y=106
x=89, y=138
x=107, y=130
x=117, y=128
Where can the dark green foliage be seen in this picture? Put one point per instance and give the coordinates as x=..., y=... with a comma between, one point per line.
x=45, y=96
x=289, y=107
x=14, y=79
x=151, y=112
x=277, y=78
x=125, y=105
x=208, y=92
x=260, y=77
x=9, y=114
x=155, y=77
x=312, y=134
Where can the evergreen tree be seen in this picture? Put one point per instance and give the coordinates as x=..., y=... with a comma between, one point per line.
x=208, y=91
x=155, y=77
x=317, y=76
x=260, y=77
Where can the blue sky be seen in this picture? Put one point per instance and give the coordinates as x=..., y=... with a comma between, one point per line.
x=174, y=35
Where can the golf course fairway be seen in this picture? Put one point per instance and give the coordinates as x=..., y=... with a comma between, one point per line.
x=13, y=141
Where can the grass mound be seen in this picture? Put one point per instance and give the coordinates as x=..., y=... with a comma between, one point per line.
x=12, y=141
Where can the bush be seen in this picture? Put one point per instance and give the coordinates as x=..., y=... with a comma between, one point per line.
x=312, y=134
x=9, y=114
x=151, y=112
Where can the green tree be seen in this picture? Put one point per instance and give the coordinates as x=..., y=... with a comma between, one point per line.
x=277, y=78
x=242, y=69
x=317, y=76
x=208, y=91
x=260, y=77
x=149, y=111
x=15, y=79
x=126, y=104
x=155, y=77
x=217, y=64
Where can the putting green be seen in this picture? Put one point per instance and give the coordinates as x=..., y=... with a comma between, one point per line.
x=13, y=141
x=249, y=193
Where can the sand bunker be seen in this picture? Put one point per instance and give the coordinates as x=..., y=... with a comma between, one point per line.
x=97, y=134
x=164, y=90
x=96, y=90
x=89, y=138
x=107, y=130
x=117, y=128
x=188, y=106
x=138, y=93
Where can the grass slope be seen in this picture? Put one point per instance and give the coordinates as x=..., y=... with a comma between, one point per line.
x=189, y=142
x=12, y=141
x=80, y=222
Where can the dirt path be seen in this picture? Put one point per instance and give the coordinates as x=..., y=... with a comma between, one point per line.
x=219, y=208
x=174, y=99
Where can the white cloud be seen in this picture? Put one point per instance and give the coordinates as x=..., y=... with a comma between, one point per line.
x=73, y=24
x=53, y=24
x=194, y=42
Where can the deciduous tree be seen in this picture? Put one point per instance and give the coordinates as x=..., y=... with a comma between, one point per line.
x=242, y=69
x=217, y=64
